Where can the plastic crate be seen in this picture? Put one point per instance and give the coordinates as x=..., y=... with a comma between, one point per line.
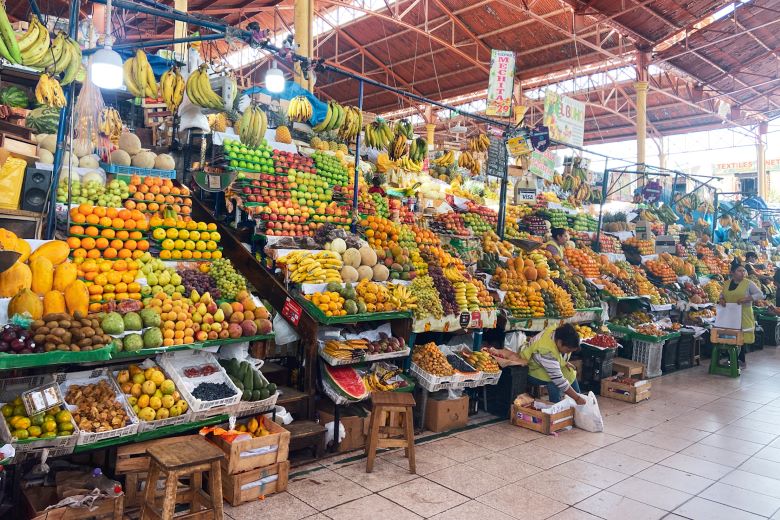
x=94, y=376
x=256, y=407
x=669, y=356
x=685, y=352
x=649, y=354
x=431, y=382
x=134, y=170
x=771, y=328
x=511, y=383
x=146, y=426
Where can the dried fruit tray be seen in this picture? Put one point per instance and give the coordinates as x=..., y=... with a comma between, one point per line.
x=174, y=365
x=431, y=382
x=58, y=446
x=65, y=380
x=332, y=361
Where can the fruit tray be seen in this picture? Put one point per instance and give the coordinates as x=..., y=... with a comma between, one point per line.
x=174, y=365
x=429, y=381
x=147, y=426
x=255, y=407
x=332, y=361
x=65, y=380
x=320, y=316
x=58, y=446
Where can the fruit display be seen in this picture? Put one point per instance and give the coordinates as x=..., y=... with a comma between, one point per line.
x=229, y=282
x=633, y=319
x=172, y=87
x=54, y=422
x=256, y=426
x=212, y=391
x=428, y=300
x=583, y=262
x=648, y=329
x=480, y=360
x=154, y=195
x=64, y=332
x=384, y=377
x=150, y=393
x=713, y=290
x=97, y=408
x=609, y=244
x=249, y=380
x=430, y=359
x=645, y=247
x=603, y=341
x=344, y=381
x=357, y=349
x=299, y=109
x=584, y=331
x=662, y=271
x=450, y=224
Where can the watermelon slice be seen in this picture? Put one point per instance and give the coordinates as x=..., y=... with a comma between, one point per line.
x=345, y=381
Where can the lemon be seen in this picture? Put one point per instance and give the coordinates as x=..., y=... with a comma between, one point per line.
x=7, y=410
x=34, y=431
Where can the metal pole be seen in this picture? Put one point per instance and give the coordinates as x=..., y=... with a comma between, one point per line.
x=70, y=95
x=169, y=14
x=502, y=195
x=604, y=189
x=357, y=163
x=157, y=43
x=715, y=217
x=36, y=10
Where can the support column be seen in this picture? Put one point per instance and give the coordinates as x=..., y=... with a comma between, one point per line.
x=641, y=120
x=431, y=129
x=304, y=21
x=180, y=31
x=763, y=181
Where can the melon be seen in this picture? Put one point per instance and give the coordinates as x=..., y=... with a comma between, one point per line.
x=164, y=162
x=381, y=273
x=45, y=156
x=351, y=257
x=338, y=245
x=144, y=160
x=89, y=161
x=82, y=147
x=367, y=256
x=120, y=157
x=345, y=381
x=130, y=143
x=49, y=142
x=365, y=272
x=349, y=274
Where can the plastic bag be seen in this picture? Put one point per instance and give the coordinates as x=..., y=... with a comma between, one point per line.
x=588, y=416
x=11, y=180
x=284, y=332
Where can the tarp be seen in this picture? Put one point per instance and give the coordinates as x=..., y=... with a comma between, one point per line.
x=291, y=90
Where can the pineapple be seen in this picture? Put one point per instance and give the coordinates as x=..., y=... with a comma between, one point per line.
x=283, y=135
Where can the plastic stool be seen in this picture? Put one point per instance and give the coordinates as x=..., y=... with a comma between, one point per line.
x=730, y=369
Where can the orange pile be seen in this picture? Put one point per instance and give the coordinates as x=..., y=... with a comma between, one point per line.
x=152, y=193
x=583, y=262
x=109, y=280
x=107, y=232
x=379, y=231
x=176, y=314
x=661, y=270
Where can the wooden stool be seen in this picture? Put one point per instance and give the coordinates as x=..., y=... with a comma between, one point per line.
x=628, y=368
x=186, y=459
x=385, y=406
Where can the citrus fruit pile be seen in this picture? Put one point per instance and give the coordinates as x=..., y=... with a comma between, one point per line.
x=54, y=422
x=99, y=232
x=152, y=193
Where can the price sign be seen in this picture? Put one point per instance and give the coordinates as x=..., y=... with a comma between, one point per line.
x=291, y=311
x=525, y=196
x=464, y=320
x=497, y=157
x=42, y=398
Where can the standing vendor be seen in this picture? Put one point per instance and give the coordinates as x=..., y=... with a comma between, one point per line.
x=559, y=238
x=739, y=289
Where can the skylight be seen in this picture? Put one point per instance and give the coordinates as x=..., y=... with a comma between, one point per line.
x=677, y=37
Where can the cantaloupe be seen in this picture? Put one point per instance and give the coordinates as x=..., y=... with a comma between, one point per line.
x=120, y=157
x=89, y=161
x=367, y=256
x=144, y=160
x=45, y=156
x=381, y=273
x=82, y=147
x=349, y=274
x=351, y=257
x=365, y=272
x=129, y=143
x=338, y=245
x=164, y=162
x=48, y=143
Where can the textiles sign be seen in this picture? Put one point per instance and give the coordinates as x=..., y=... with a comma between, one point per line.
x=502, y=76
x=565, y=117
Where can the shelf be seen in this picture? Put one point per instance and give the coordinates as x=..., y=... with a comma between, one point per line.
x=147, y=352
x=11, y=361
x=350, y=318
x=366, y=359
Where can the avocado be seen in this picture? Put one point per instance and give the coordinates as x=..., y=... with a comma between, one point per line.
x=257, y=395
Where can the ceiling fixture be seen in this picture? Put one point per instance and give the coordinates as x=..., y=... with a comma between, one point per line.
x=105, y=69
x=274, y=79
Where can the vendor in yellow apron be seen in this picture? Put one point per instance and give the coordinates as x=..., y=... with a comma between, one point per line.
x=548, y=362
x=737, y=290
x=559, y=238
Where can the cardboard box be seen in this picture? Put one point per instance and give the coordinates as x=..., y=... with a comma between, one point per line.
x=260, y=483
x=630, y=393
x=643, y=230
x=442, y=416
x=235, y=461
x=533, y=419
x=355, y=427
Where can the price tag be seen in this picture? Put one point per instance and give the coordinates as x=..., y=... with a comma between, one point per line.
x=42, y=398
x=215, y=181
x=464, y=320
x=476, y=320
x=291, y=311
x=523, y=195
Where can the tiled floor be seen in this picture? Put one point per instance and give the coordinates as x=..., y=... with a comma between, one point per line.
x=704, y=447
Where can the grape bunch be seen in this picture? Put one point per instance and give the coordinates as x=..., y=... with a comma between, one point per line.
x=445, y=288
x=229, y=281
x=193, y=279
x=428, y=303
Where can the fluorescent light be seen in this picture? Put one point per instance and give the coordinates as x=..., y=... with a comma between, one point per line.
x=274, y=79
x=106, y=69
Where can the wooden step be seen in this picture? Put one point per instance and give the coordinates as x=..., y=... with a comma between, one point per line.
x=307, y=435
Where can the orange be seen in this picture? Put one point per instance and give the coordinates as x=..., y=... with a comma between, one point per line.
x=93, y=219
x=88, y=243
x=108, y=233
x=143, y=189
x=91, y=231
x=211, y=226
x=136, y=235
x=130, y=204
x=137, y=215
x=121, y=287
x=138, y=196
x=112, y=212
x=105, y=222
x=197, y=255
x=141, y=224
x=176, y=254
x=86, y=209
x=106, y=267
x=165, y=254
x=119, y=266
x=117, y=244
x=130, y=224
x=155, y=190
x=95, y=289
x=131, y=244
x=74, y=242
x=186, y=255
x=101, y=243
x=118, y=223
x=125, y=253
x=138, y=254
x=100, y=211
x=133, y=287
x=122, y=235
x=168, y=198
x=149, y=197
x=207, y=255
x=78, y=218
x=89, y=266
x=76, y=230
x=80, y=253
x=216, y=254
x=90, y=276
x=93, y=253
x=142, y=206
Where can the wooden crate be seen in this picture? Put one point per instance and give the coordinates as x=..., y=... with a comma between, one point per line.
x=133, y=462
x=232, y=484
x=635, y=393
x=541, y=422
x=627, y=367
x=234, y=463
x=37, y=499
x=727, y=336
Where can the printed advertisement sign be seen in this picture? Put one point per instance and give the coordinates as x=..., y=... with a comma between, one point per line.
x=542, y=164
x=501, y=83
x=565, y=117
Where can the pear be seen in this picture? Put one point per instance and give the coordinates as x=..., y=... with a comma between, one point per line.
x=194, y=296
x=202, y=309
x=219, y=316
x=227, y=309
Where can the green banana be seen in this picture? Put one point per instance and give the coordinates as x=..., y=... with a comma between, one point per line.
x=9, y=38
x=73, y=64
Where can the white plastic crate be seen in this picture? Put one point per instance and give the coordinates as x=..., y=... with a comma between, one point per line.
x=255, y=407
x=58, y=446
x=649, y=354
x=175, y=362
x=431, y=382
x=65, y=380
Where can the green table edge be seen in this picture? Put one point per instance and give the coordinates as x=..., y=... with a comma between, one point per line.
x=350, y=318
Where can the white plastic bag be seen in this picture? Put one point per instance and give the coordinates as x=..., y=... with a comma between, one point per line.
x=588, y=416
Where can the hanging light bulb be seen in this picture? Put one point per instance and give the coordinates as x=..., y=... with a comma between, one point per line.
x=105, y=69
x=274, y=79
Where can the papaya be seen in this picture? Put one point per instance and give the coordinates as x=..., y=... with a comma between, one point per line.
x=53, y=303
x=42, y=275
x=14, y=279
x=56, y=251
x=64, y=275
x=23, y=247
x=77, y=298
x=26, y=302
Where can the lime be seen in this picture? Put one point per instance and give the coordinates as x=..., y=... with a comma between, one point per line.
x=19, y=410
x=63, y=417
x=20, y=434
x=37, y=419
x=48, y=435
x=34, y=431
x=50, y=426
x=65, y=427
x=7, y=410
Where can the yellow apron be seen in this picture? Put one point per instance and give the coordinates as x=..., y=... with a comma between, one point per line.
x=545, y=344
x=557, y=247
x=748, y=320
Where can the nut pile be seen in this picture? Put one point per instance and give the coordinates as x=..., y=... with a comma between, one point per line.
x=64, y=332
x=98, y=409
x=429, y=358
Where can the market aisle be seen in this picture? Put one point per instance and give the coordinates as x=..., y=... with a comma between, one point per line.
x=703, y=447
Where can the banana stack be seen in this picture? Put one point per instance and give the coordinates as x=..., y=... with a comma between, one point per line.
x=378, y=135
x=480, y=143
x=62, y=56
x=418, y=150
x=468, y=161
x=334, y=118
x=374, y=383
x=350, y=349
x=453, y=274
x=199, y=90
x=399, y=148
x=110, y=124
x=404, y=128
x=139, y=77
x=402, y=297
x=49, y=92
x=305, y=267
x=300, y=110
x=405, y=163
x=172, y=88
x=254, y=123
x=353, y=122
x=446, y=160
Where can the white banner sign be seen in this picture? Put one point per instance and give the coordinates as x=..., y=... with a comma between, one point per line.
x=565, y=117
x=501, y=83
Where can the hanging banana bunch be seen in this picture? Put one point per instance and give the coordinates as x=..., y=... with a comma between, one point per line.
x=406, y=163
x=172, y=87
x=139, y=77
x=254, y=123
x=199, y=90
x=399, y=147
x=110, y=124
x=404, y=127
x=334, y=118
x=446, y=160
x=49, y=92
x=299, y=109
x=378, y=134
x=479, y=143
x=418, y=150
x=33, y=45
x=353, y=122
